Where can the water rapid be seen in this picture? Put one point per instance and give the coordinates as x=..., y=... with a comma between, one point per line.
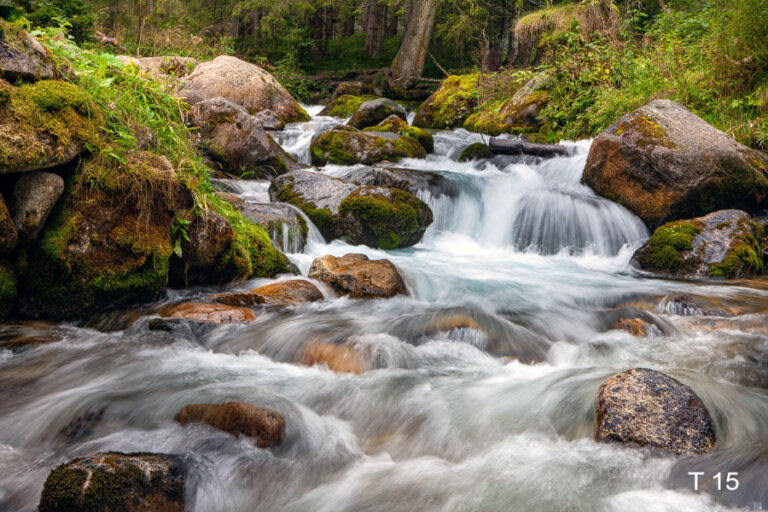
x=479, y=389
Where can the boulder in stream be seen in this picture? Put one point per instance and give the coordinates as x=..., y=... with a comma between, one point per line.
x=396, y=124
x=372, y=112
x=647, y=408
x=357, y=276
x=664, y=163
x=237, y=140
x=475, y=151
x=116, y=482
x=725, y=244
x=286, y=227
x=204, y=312
x=283, y=293
x=410, y=180
x=346, y=105
x=266, y=426
x=450, y=105
x=241, y=83
x=380, y=217
x=337, y=357
x=350, y=147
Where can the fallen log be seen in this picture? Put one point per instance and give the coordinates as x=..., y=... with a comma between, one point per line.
x=520, y=147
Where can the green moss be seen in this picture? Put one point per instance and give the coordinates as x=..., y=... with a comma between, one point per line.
x=56, y=95
x=651, y=133
x=320, y=217
x=665, y=248
x=388, y=222
x=346, y=105
x=344, y=147
x=450, y=105
x=745, y=256
x=394, y=124
x=333, y=147
x=475, y=151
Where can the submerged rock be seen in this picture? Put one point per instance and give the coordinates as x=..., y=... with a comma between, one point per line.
x=286, y=227
x=376, y=216
x=338, y=358
x=35, y=194
x=395, y=124
x=284, y=293
x=116, y=482
x=349, y=147
x=22, y=57
x=237, y=140
x=645, y=407
x=664, y=164
x=372, y=112
x=264, y=425
x=476, y=151
x=357, y=276
x=44, y=124
x=241, y=83
x=346, y=105
x=722, y=244
x=209, y=313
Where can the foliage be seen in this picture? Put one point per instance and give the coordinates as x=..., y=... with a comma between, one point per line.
x=76, y=14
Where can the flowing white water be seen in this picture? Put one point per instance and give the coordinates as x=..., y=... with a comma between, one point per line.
x=480, y=385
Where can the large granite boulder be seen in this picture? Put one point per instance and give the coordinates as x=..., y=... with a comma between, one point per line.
x=266, y=426
x=237, y=140
x=380, y=217
x=357, y=276
x=44, y=124
x=35, y=194
x=241, y=83
x=647, y=408
x=665, y=164
x=116, y=482
x=350, y=147
x=22, y=57
x=725, y=243
x=372, y=112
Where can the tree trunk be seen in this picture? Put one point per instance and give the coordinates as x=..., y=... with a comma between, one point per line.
x=412, y=55
x=392, y=23
x=374, y=30
x=348, y=25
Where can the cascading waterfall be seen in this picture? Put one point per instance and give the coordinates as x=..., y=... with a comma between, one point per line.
x=480, y=384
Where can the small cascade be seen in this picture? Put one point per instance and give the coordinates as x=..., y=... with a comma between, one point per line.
x=296, y=137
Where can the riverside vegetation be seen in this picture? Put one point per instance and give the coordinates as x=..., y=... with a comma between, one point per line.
x=217, y=294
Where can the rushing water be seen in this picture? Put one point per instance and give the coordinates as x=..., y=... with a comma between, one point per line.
x=480, y=385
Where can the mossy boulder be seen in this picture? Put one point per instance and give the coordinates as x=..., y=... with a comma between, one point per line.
x=664, y=163
x=376, y=216
x=347, y=147
x=241, y=83
x=44, y=124
x=346, y=105
x=450, y=105
x=520, y=114
x=116, y=482
x=22, y=57
x=286, y=227
x=107, y=242
x=725, y=243
x=237, y=140
x=372, y=112
x=395, y=124
x=354, y=88
x=475, y=151
x=34, y=196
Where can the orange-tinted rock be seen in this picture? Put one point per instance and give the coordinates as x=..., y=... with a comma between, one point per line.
x=210, y=313
x=285, y=293
x=634, y=326
x=357, y=276
x=339, y=358
x=264, y=425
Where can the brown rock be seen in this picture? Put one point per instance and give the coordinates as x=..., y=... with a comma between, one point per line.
x=35, y=195
x=664, y=164
x=205, y=255
x=210, y=313
x=244, y=84
x=634, y=326
x=645, y=407
x=357, y=276
x=9, y=236
x=338, y=358
x=284, y=293
x=116, y=482
x=264, y=425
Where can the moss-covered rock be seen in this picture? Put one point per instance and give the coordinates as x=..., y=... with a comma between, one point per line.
x=395, y=124
x=725, y=243
x=664, y=163
x=346, y=147
x=376, y=216
x=44, y=124
x=475, y=151
x=373, y=112
x=116, y=482
x=450, y=105
x=520, y=114
x=22, y=57
x=346, y=105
